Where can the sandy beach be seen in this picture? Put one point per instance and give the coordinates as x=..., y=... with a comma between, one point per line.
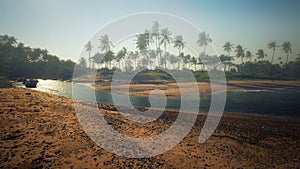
x=40, y=130
x=172, y=89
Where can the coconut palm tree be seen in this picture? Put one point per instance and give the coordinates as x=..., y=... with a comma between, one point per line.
x=260, y=54
x=148, y=38
x=287, y=49
x=141, y=42
x=155, y=34
x=178, y=43
x=121, y=55
x=133, y=56
x=187, y=60
x=89, y=48
x=105, y=43
x=165, y=40
x=228, y=47
x=248, y=54
x=272, y=45
x=239, y=52
x=203, y=40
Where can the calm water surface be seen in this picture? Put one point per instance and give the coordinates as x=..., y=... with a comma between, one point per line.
x=280, y=102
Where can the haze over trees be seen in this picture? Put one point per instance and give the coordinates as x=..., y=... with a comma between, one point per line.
x=154, y=48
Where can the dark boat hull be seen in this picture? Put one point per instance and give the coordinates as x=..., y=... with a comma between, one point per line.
x=31, y=83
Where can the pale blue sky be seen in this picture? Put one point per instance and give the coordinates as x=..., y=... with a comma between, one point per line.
x=64, y=26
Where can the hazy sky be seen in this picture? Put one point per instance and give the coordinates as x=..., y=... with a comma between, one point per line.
x=64, y=26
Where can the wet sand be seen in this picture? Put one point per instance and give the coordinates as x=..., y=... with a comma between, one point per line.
x=172, y=89
x=40, y=130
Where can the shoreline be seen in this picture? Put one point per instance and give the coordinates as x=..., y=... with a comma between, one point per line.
x=171, y=90
x=41, y=130
x=240, y=86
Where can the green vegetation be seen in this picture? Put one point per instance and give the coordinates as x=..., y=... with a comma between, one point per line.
x=18, y=60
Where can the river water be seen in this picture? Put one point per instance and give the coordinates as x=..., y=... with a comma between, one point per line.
x=279, y=102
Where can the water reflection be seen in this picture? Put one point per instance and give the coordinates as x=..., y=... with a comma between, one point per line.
x=281, y=102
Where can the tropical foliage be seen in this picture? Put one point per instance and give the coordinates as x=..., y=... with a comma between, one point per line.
x=18, y=60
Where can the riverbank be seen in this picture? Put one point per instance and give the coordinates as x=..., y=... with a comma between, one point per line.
x=41, y=130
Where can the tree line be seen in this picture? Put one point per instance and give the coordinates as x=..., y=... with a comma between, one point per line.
x=152, y=51
x=18, y=60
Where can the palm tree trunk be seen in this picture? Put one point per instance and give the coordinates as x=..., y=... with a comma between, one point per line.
x=179, y=58
x=287, y=58
x=272, y=56
x=165, y=56
x=89, y=59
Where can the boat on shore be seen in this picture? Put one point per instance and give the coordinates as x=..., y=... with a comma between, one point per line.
x=31, y=83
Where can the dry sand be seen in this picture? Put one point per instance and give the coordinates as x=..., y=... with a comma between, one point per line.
x=39, y=130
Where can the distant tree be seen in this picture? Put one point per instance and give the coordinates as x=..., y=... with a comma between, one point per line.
x=203, y=40
x=149, y=40
x=35, y=55
x=187, y=60
x=128, y=65
x=178, y=43
x=152, y=56
x=89, y=48
x=105, y=43
x=108, y=57
x=82, y=62
x=228, y=47
x=165, y=40
x=18, y=60
x=272, y=45
x=141, y=42
x=194, y=62
x=248, y=55
x=225, y=60
x=148, y=37
x=121, y=55
x=98, y=58
x=172, y=59
x=200, y=62
x=6, y=40
x=287, y=49
x=239, y=52
x=155, y=34
x=260, y=54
